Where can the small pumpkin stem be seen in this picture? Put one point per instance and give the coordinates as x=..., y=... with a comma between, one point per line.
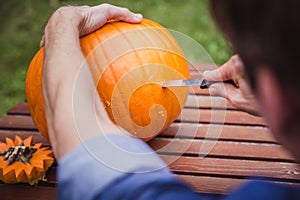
x=18, y=153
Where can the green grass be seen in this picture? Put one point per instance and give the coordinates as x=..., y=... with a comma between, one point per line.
x=22, y=25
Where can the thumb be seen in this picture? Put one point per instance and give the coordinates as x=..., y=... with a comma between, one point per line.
x=213, y=75
x=223, y=73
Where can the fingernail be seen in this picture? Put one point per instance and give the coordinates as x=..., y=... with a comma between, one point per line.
x=138, y=16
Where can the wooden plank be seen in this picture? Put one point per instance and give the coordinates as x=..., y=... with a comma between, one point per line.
x=220, y=132
x=193, y=101
x=207, y=102
x=221, y=149
x=219, y=185
x=17, y=122
x=200, y=183
x=210, y=184
x=195, y=74
x=203, y=183
x=26, y=192
x=219, y=116
x=19, y=109
x=36, y=136
x=215, y=184
x=280, y=171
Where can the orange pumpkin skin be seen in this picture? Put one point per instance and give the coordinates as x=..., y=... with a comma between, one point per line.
x=19, y=172
x=128, y=64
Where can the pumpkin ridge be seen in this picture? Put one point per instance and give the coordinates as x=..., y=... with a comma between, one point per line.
x=128, y=41
x=143, y=33
x=173, y=42
x=140, y=30
x=161, y=60
x=114, y=78
x=104, y=53
x=162, y=30
x=112, y=61
x=167, y=34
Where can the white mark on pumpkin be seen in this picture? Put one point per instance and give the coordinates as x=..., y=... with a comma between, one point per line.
x=161, y=113
x=107, y=103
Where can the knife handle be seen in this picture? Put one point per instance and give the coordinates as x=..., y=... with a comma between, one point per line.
x=206, y=84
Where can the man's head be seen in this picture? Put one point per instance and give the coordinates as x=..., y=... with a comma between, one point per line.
x=266, y=35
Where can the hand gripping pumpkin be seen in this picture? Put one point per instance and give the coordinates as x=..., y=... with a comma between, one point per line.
x=128, y=63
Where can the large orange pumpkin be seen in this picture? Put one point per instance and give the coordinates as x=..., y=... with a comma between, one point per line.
x=128, y=63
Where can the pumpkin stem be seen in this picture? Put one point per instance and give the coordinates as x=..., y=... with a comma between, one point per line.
x=18, y=153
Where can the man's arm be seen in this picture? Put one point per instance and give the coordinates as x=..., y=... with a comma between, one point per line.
x=64, y=69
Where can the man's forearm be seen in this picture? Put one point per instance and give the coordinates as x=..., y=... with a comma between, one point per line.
x=73, y=108
x=62, y=55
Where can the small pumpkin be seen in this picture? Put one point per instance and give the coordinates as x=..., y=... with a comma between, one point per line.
x=22, y=162
x=128, y=63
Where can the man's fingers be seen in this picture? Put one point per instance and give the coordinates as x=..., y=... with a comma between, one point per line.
x=225, y=90
x=97, y=16
x=123, y=14
x=92, y=18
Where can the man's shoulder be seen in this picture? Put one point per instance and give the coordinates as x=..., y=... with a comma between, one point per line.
x=265, y=190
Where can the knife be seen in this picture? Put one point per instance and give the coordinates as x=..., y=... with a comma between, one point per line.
x=204, y=84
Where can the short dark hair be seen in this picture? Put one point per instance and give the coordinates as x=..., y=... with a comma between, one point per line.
x=263, y=32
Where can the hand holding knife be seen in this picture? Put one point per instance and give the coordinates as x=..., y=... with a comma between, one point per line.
x=204, y=84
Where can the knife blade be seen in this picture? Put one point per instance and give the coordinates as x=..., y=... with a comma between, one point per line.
x=201, y=82
x=189, y=82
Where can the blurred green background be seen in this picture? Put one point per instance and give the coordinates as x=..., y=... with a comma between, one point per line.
x=22, y=23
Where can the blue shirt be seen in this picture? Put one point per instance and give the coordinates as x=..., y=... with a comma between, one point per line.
x=123, y=167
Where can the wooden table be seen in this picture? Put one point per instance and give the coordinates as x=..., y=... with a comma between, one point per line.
x=238, y=146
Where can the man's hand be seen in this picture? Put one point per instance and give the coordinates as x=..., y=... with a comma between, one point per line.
x=89, y=19
x=240, y=96
x=73, y=111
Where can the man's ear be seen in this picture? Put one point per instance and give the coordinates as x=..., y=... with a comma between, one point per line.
x=271, y=96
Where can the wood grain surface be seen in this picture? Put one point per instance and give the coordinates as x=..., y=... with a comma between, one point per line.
x=211, y=146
